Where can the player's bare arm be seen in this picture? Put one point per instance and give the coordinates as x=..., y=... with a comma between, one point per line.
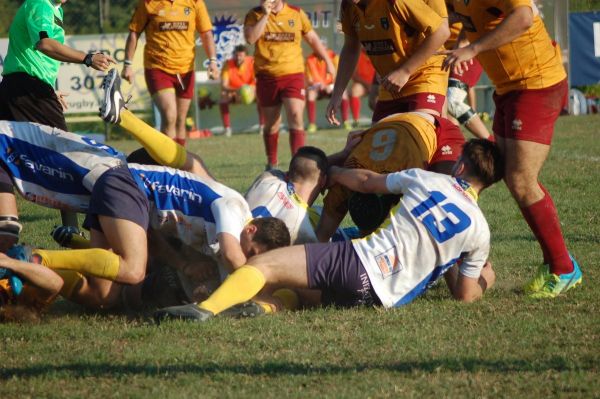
x=208, y=43
x=360, y=180
x=395, y=80
x=467, y=289
x=348, y=60
x=513, y=26
x=254, y=32
x=46, y=280
x=232, y=255
x=60, y=52
x=130, y=46
x=314, y=42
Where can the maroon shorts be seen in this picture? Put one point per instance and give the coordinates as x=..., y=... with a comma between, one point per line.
x=271, y=90
x=530, y=115
x=183, y=83
x=116, y=194
x=410, y=103
x=450, y=141
x=336, y=270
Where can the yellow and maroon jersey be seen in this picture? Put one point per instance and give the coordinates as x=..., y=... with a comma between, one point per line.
x=278, y=51
x=531, y=61
x=390, y=31
x=397, y=142
x=239, y=75
x=316, y=69
x=170, y=28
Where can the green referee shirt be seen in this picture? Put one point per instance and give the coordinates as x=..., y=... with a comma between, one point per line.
x=33, y=18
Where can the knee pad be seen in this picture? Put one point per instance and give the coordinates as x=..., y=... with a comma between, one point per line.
x=465, y=116
x=456, y=101
x=10, y=226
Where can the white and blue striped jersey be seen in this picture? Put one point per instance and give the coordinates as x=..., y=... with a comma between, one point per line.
x=52, y=167
x=191, y=208
x=436, y=223
x=272, y=195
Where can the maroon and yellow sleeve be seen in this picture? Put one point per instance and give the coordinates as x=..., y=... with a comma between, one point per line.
x=203, y=23
x=305, y=23
x=140, y=18
x=418, y=15
x=439, y=6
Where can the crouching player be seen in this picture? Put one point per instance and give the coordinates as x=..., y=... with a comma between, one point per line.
x=437, y=224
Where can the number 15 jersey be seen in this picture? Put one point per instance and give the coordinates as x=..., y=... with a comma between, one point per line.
x=436, y=223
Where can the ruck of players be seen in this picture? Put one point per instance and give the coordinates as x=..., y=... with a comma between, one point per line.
x=163, y=238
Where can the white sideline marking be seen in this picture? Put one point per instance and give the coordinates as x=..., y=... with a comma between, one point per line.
x=597, y=39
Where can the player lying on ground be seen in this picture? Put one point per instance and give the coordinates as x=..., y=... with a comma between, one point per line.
x=124, y=202
x=437, y=225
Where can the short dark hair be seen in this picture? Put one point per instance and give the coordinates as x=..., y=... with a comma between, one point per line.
x=271, y=232
x=240, y=48
x=142, y=157
x=485, y=161
x=298, y=167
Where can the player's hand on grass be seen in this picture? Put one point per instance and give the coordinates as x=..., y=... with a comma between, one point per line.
x=61, y=99
x=127, y=73
x=102, y=62
x=395, y=80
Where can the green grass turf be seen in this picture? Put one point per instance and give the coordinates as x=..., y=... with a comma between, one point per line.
x=505, y=345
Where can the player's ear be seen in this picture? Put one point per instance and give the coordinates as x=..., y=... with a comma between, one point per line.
x=251, y=229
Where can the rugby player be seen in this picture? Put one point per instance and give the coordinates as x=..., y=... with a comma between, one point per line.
x=437, y=224
x=401, y=39
x=277, y=29
x=237, y=73
x=319, y=84
x=395, y=143
x=169, y=54
x=509, y=39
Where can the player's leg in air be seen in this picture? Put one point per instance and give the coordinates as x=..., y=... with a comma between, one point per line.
x=161, y=148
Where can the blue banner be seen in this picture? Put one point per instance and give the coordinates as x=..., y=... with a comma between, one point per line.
x=584, y=46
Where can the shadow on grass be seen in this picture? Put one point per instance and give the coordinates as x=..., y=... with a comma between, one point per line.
x=275, y=369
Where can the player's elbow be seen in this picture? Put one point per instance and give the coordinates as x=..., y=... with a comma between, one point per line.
x=443, y=30
x=523, y=17
x=44, y=45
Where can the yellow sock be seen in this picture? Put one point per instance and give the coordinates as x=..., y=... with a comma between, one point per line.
x=93, y=262
x=241, y=286
x=288, y=298
x=161, y=147
x=71, y=281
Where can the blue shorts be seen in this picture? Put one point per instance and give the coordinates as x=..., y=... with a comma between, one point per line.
x=336, y=270
x=117, y=195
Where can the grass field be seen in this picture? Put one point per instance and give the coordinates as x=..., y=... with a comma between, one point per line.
x=505, y=345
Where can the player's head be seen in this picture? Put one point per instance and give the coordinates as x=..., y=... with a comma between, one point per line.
x=239, y=54
x=480, y=160
x=264, y=234
x=309, y=163
x=9, y=311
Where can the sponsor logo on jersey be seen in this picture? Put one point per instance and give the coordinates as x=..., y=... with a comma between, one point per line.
x=431, y=99
x=36, y=166
x=291, y=23
x=446, y=150
x=187, y=11
x=279, y=36
x=168, y=26
x=287, y=204
x=385, y=23
x=175, y=191
x=388, y=262
x=379, y=47
x=517, y=124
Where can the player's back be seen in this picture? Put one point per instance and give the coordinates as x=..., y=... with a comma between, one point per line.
x=436, y=223
x=272, y=195
x=52, y=167
x=189, y=207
